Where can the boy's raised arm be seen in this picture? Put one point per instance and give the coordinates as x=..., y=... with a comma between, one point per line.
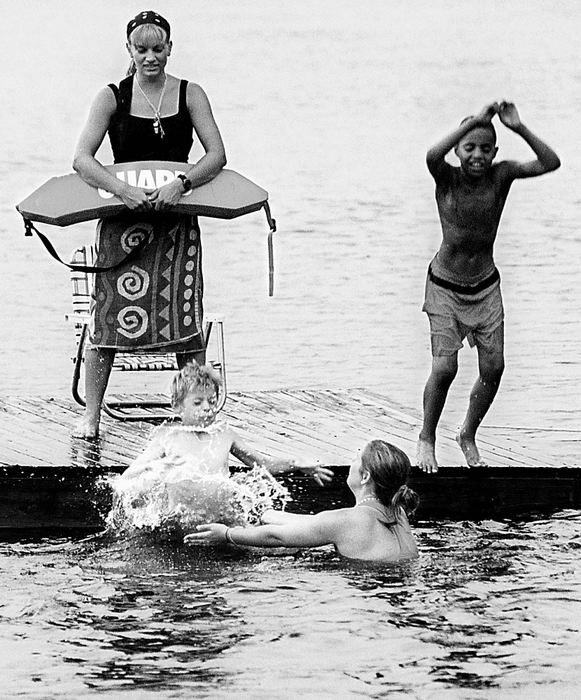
x=435, y=156
x=547, y=160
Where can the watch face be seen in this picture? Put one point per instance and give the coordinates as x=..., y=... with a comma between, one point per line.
x=185, y=182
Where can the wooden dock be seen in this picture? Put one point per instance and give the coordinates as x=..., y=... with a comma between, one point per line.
x=50, y=479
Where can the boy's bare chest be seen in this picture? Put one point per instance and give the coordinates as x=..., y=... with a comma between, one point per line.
x=470, y=205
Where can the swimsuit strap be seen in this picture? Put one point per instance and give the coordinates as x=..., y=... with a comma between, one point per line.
x=183, y=99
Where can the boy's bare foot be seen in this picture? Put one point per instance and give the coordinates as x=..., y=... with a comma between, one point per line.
x=468, y=447
x=426, y=457
x=86, y=428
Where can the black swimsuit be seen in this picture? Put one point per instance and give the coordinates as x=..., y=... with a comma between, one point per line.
x=133, y=138
x=154, y=301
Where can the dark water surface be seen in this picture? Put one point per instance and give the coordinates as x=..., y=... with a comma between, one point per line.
x=489, y=610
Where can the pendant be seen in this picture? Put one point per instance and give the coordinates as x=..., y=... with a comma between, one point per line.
x=157, y=127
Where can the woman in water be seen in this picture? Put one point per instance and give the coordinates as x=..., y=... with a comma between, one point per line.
x=375, y=529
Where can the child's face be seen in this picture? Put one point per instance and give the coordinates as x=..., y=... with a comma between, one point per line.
x=476, y=151
x=199, y=408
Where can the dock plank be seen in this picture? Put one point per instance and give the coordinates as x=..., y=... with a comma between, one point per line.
x=329, y=424
x=49, y=478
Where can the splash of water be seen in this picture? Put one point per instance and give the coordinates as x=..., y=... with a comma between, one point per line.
x=172, y=509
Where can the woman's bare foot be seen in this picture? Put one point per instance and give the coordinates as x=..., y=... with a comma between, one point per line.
x=468, y=447
x=426, y=457
x=86, y=428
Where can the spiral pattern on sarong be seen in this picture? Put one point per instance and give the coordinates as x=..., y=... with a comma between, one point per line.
x=133, y=236
x=133, y=284
x=132, y=321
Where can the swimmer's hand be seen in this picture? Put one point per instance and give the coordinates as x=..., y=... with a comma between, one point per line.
x=210, y=533
x=509, y=116
x=486, y=113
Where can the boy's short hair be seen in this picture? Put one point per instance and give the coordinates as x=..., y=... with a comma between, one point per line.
x=488, y=127
x=191, y=377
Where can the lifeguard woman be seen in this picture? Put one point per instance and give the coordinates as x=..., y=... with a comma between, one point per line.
x=155, y=300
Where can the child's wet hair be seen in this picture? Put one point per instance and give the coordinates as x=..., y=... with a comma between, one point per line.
x=194, y=377
x=489, y=127
x=389, y=468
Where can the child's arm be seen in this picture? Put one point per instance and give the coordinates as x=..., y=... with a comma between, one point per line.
x=436, y=155
x=547, y=160
x=303, y=531
x=153, y=450
x=249, y=456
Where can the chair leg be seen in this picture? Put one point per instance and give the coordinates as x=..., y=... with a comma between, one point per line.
x=119, y=409
x=222, y=361
x=220, y=345
x=78, y=364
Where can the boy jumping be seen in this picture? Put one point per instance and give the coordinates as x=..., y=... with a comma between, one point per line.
x=463, y=298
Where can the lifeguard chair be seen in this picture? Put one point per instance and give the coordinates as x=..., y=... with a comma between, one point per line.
x=133, y=408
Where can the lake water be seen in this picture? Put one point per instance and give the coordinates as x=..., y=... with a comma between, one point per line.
x=330, y=106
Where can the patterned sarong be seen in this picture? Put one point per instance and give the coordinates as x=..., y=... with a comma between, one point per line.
x=155, y=300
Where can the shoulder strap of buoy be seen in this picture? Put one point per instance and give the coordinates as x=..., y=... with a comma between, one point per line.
x=29, y=227
x=271, y=230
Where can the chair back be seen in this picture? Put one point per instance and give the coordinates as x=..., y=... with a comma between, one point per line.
x=82, y=282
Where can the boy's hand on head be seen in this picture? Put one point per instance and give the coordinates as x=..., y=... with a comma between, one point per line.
x=486, y=113
x=509, y=116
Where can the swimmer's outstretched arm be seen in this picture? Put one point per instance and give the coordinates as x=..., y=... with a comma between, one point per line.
x=435, y=156
x=280, y=517
x=250, y=456
x=328, y=527
x=547, y=160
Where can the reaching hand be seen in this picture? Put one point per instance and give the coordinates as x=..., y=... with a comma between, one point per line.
x=509, y=116
x=320, y=474
x=486, y=113
x=208, y=534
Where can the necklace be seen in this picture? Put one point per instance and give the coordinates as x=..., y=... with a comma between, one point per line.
x=366, y=499
x=157, y=127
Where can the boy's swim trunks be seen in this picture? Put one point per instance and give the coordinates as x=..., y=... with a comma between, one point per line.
x=475, y=313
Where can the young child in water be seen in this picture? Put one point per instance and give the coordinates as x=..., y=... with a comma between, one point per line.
x=186, y=464
x=463, y=296
x=375, y=529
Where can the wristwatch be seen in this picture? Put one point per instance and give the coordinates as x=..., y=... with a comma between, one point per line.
x=185, y=182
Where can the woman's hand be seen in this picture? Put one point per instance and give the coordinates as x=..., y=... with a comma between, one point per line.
x=486, y=113
x=211, y=533
x=167, y=196
x=135, y=198
x=509, y=116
